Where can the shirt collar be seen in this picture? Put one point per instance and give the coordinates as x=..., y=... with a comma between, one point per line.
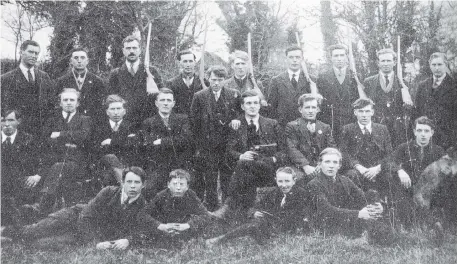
x=390, y=75
x=162, y=116
x=64, y=114
x=342, y=70
x=13, y=137
x=255, y=120
x=112, y=123
x=217, y=93
x=124, y=197
x=439, y=80
x=297, y=74
x=367, y=126
x=242, y=78
x=136, y=64
x=25, y=70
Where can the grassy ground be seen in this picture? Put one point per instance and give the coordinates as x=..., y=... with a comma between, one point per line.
x=284, y=248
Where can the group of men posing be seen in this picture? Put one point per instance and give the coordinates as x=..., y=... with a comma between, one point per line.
x=232, y=131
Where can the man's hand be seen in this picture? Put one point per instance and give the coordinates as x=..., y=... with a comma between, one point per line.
x=248, y=155
x=120, y=244
x=167, y=228
x=131, y=135
x=104, y=245
x=32, y=181
x=235, y=124
x=309, y=169
x=369, y=213
x=55, y=134
x=404, y=178
x=372, y=172
x=106, y=142
x=157, y=142
x=361, y=169
x=181, y=227
x=258, y=215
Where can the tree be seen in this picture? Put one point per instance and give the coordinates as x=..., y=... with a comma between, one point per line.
x=328, y=26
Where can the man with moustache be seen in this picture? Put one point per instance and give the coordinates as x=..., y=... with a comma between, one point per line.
x=130, y=82
x=29, y=90
x=436, y=99
x=90, y=86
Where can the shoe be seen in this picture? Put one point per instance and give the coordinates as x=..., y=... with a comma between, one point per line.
x=221, y=212
x=211, y=242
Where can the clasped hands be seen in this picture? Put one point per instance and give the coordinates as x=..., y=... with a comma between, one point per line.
x=371, y=212
x=369, y=173
x=173, y=228
x=120, y=244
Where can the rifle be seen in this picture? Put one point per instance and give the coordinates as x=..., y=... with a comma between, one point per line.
x=360, y=87
x=406, y=97
x=202, y=60
x=251, y=73
x=151, y=86
x=312, y=85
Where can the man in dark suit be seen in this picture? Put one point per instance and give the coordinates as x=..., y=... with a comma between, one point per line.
x=29, y=90
x=287, y=87
x=389, y=96
x=130, y=82
x=90, y=86
x=339, y=89
x=366, y=146
x=21, y=166
x=307, y=137
x=167, y=140
x=436, y=100
x=256, y=149
x=186, y=84
x=212, y=111
x=108, y=221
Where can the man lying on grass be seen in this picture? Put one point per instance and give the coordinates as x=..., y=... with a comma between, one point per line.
x=281, y=209
x=174, y=215
x=107, y=221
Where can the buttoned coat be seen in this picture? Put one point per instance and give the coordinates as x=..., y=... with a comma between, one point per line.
x=182, y=93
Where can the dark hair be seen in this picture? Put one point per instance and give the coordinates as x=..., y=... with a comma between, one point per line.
x=130, y=39
x=79, y=49
x=292, y=48
x=337, y=47
x=423, y=120
x=114, y=98
x=218, y=70
x=179, y=174
x=135, y=170
x=165, y=91
x=28, y=42
x=7, y=112
x=310, y=97
x=249, y=93
x=288, y=170
x=362, y=102
x=184, y=52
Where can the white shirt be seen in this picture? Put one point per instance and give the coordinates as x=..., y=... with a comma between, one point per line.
x=217, y=95
x=25, y=71
x=13, y=137
x=112, y=123
x=367, y=126
x=297, y=74
x=136, y=64
x=64, y=114
x=390, y=76
x=255, y=120
x=438, y=80
x=342, y=71
x=124, y=197
x=188, y=83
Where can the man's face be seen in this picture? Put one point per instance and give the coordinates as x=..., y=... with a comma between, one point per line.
x=364, y=114
x=423, y=134
x=9, y=124
x=309, y=110
x=438, y=67
x=294, y=60
x=69, y=102
x=251, y=105
x=187, y=64
x=132, y=50
x=240, y=67
x=386, y=63
x=285, y=181
x=339, y=58
x=215, y=82
x=79, y=60
x=330, y=164
x=116, y=111
x=132, y=184
x=165, y=103
x=29, y=56
x=178, y=186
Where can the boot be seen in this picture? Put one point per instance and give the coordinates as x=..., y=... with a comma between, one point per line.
x=221, y=213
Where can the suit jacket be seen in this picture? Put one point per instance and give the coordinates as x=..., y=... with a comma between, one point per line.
x=76, y=132
x=183, y=94
x=249, y=85
x=441, y=107
x=203, y=118
x=103, y=218
x=303, y=148
x=175, y=140
x=36, y=108
x=352, y=137
x=93, y=93
x=283, y=97
x=270, y=132
x=133, y=90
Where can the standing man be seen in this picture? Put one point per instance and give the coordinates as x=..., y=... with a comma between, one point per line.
x=436, y=99
x=387, y=93
x=186, y=84
x=212, y=111
x=287, y=87
x=130, y=82
x=29, y=90
x=90, y=86
x=339, y=89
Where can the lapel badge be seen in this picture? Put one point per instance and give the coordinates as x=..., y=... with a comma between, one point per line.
x=319, y=131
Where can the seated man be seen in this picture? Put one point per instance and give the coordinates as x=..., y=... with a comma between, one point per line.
x=107, y=221
x=114, y=141
x=410, y=159
x=307, y=137
x=256, y=149
x=167, y=140
x=281, y=209
x=175, y=213
x=337, y=204
x=21, y=175
x=366, y=146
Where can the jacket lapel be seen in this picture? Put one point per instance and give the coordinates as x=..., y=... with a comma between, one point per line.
x=304, y=130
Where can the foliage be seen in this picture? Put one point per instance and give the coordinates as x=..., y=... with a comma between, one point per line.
x=328, y=25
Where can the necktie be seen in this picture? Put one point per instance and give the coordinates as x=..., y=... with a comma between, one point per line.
x=366, y=131
x=165, y=121
x=311, y=126
x=387, y=79
x=8, y=141
x=125, y=204
x=294, y=81
x=67, y=118
x=116, y=126
x=29, y=76
x=435, y=82
x=283, y=201
x=216, y=96
x=132, y=71
x=252, y=125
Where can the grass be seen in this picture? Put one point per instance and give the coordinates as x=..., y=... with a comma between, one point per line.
x=285, y=248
